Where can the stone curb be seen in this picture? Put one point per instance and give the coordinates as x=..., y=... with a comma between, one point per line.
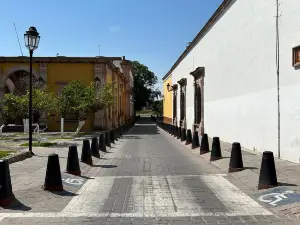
x=20, y=156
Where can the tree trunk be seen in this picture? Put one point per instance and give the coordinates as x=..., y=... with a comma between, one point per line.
x=80, y=125
x=61, y=127
x=25, y=126
x=1, y=128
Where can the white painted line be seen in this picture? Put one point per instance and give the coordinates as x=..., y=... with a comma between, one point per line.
x=155, y=196
x=91, y=197
x=139, y=215
x=234, y=199
x=167, y=176
x=136, y=198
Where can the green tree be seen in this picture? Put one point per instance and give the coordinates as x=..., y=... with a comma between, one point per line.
x=157, y=107
x=43, y=103
x=9, y=108
x=84, y=100
x=144, y=86
x=13, y=107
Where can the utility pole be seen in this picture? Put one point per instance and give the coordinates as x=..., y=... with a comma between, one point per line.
x=278, y=77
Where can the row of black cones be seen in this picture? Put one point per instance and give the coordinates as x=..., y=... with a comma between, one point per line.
x=267, y=176
x=53, y=178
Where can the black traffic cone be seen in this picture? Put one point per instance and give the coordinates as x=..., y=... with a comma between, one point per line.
x=6, y=194
x=179, y=133
x=195, y=141
x=95, y=147
x=236, y=159
x=107, y=139
x=116, y=134
x=112, y=136
x=204, y=147
x=121, y=131
x=267, y=175
x=86, y=154
x=175, y=131
x=188, y=137
x=102, y=145
x=53, y=181
x=73, y=166
x=183, y=134
x=215, y=149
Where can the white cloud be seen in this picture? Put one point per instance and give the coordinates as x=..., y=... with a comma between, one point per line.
x=113, y=28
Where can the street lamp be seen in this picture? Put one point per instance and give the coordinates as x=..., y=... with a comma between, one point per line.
x=169, y=88
x=32, y=40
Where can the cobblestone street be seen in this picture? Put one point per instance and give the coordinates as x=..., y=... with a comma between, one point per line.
x=146, y=178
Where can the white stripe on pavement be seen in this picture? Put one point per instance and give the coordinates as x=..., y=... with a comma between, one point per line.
x=91, y=197
x=155, y=196
x=233, y=198
x=138, y=215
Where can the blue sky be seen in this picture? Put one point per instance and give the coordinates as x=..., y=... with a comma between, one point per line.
x=154, y=32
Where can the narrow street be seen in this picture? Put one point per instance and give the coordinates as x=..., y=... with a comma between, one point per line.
x=150, y=178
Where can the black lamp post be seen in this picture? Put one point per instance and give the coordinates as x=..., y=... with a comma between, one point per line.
x=32, y=40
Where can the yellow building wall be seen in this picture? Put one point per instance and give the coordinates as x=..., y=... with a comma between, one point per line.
x=8, y=66
x=124, y=97
x=59, y=74
x=168, y=100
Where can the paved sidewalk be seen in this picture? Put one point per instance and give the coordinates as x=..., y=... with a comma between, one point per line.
x=288, y=173
x=28, y=177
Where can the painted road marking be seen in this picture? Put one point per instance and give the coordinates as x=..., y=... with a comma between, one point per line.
x=73, y=181
x=149, y=194
x=92, y=196
x=163, y=196
x=113, y=215
x=233, y=198
x=278, y=196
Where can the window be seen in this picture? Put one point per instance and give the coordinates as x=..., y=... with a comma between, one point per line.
x=296, y=56
x=174, y=89
x=198, y=75
x=197, y=106
x=182, y=84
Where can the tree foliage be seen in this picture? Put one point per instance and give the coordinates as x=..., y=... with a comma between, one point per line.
x=157, y=107
x=84, y=100
x=16, y=106
x=10, y=107
x=43, y=103
x=144, y=86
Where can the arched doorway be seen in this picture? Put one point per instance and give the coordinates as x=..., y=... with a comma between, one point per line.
x=17, y=83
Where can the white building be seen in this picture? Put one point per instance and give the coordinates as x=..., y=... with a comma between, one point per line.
x=235, y=58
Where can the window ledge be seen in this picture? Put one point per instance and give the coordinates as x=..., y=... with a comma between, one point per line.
x=297, y=65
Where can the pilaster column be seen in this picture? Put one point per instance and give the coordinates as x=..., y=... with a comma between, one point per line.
x=44, y=71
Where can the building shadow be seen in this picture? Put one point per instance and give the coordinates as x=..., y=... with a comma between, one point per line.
x=17, y=205
x=144, y=127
